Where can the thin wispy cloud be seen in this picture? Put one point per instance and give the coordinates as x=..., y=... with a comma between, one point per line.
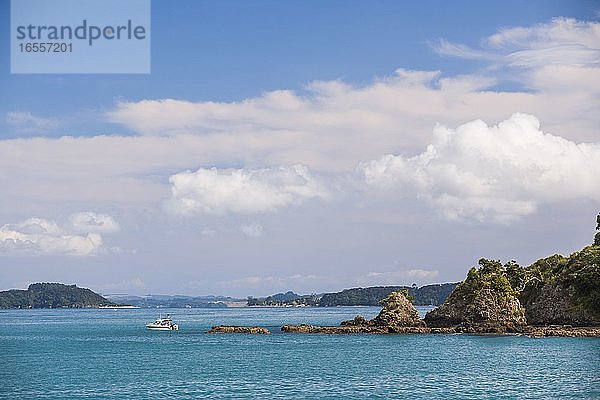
x=26, y=122
x=252, y=230
x=273, y=281
x=136, y=283
x=93, y=222
x=398, y=277
x=562, y=41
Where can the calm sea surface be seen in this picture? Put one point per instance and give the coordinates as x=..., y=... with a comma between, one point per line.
x=109, y=354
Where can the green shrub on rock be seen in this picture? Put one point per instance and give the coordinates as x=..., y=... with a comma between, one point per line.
x=485, y=300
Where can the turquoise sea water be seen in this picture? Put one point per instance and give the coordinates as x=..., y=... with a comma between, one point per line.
x=109, y=354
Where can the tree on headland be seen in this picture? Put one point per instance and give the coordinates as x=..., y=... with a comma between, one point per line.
x=597, y=237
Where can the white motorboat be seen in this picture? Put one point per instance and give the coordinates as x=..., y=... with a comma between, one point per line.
x=163, y=324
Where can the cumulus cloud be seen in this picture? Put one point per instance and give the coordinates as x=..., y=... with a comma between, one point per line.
x=252, y=230
x=40, y=236
x=29, y=123
x=498, y=172
x=246, y=191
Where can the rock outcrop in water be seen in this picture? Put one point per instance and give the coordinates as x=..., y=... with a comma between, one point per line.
x=254, y=330
x=397, y=311
x=484, y=302
x=533, y=331
x=348, y=329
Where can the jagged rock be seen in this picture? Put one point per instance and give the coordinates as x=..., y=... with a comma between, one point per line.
x=239, y=329
x=349, y=329
x=561, y=330
x=358, y=320
x=397, y=311
x=532, y=331
x=398, y=315
x=301, y=328
x=485, y=302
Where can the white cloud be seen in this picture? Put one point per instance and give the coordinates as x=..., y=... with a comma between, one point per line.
x=252, y=230
x=128, y=284
x=27, y=122
x=219, y=191
x=207, y=231
x=308, y=283
x=399, y=277
x=92, y=222
x=40, y=236
x=563, y=41
x=492, y=172
x=329, y=127
x=273, y=283
x=421, y=273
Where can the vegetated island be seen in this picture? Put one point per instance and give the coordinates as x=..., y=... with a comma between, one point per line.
x=426, y=295
x=554, y=296
x=53, y=295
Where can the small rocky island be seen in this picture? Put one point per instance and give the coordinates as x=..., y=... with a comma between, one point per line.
x=254, y=330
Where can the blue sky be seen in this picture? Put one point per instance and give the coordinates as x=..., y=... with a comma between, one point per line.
x=308, y=146
x=232, y=50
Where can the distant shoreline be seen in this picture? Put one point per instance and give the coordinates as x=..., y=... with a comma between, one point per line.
x=111, y=307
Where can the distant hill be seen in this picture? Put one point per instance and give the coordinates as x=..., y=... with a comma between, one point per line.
x=371, y=296
x=52, y=295
x=287, y=296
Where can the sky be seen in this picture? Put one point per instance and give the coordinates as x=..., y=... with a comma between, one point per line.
x=308, y=146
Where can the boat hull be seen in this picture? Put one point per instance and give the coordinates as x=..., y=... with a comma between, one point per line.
x=162, y=328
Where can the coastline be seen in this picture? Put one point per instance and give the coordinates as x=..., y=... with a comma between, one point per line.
x=529, y=331
x=115, y=307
